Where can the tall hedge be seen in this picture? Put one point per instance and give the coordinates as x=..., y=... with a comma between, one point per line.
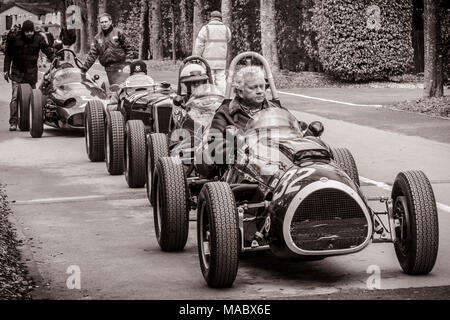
x=354, y=45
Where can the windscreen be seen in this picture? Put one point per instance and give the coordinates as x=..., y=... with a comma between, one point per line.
x=276, y=122
x=204, y=102
x=66, y=76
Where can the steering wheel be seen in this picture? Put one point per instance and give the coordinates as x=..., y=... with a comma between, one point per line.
x=75, y=58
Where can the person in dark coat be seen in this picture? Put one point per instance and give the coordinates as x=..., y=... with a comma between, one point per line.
x=111, y=49
x=20, y=64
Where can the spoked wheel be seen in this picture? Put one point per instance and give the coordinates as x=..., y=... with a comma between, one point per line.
x=135, y=154
x=37, y=119
x=114, y=144
x=416, y=222
x=345, y=160
x=94, y=130
x=24, y=96
x=218, y=235
x=157, y=147
x=171, y=210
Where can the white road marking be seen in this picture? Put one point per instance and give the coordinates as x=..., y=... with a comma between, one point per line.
x=384, y=186
x=333, y=101
x=80, y=198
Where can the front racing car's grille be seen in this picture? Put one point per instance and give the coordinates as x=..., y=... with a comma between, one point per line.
x=77, y=120
x=163, y=114
x=328, y=219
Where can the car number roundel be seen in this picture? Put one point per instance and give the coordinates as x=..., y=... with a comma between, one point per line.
x=289, y=186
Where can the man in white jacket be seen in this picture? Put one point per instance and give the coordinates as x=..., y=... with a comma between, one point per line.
x=212, y=44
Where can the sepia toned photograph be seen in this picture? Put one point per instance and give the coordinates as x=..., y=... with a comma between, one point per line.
x=227, y=157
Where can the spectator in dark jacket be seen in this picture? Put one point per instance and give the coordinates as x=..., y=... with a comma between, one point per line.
x=111, y=49
x=50, y=37
x=22, y=52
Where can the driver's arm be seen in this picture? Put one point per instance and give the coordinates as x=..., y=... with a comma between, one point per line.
x=45, y=48
x=91, y=57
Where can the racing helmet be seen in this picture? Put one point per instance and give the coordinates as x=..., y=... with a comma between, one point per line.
x=193, y=72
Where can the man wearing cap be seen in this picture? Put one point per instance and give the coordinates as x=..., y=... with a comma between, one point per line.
x=22, y=52
x=212, y=44
x=112, y=50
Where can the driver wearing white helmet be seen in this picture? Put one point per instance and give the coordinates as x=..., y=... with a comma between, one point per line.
x=192, y=76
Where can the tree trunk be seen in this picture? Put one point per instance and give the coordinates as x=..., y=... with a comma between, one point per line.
x=156, y=32
x=144, y=47
x=92, y=12
x=174, y=52
x=102, y=5
x=198, y=19
x=227, y=8
x=186, y=29
x=433, y=73
x=268, y=34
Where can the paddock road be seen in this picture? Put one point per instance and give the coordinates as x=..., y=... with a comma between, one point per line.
x=72, y=214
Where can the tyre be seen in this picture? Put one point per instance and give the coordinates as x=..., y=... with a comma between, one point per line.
x=135, y=154
x=218, y=235
x=157, y=147
x=346, y=162
x=417, y=229
x=24, y=96
x=114, y=144
x=171, y=210
x=37, y=119
x=94, y=130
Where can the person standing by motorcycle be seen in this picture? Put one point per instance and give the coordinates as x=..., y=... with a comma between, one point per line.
x=112, y=50
x=212, y=44
x=21, y=59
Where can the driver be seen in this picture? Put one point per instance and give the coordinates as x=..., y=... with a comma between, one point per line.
x=136, y=68
x=250, y=88
x=192, y=76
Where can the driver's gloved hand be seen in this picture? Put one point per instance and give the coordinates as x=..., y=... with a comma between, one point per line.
x=6, y=76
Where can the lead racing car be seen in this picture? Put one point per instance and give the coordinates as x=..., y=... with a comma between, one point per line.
x=291, y=194
x=61, y=98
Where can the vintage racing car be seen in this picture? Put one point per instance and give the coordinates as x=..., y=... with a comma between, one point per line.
x=190, y=110
x=291, y=194
x=60, y=99
x=117, y=135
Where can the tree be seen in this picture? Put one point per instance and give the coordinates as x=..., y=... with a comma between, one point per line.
x=198, y=18
x=156, y=31
x=92, y=13
x=186, y=28
x=102, y=5
x=145, y=41
x=268, y=34
x=226, y=8
x=433, y=73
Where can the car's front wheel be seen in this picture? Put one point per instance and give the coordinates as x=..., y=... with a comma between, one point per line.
x=344, y=158
x=114, y=144
x=24, y=96
x=94, y=130
x=171, y=210
x=218, y=235
x=37, y=119
x=157, y=147
x=135, y=154
x=416, y=222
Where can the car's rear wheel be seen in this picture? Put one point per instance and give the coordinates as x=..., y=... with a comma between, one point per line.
x=37, y=119
x=218, y=235
x=171, y=210
x=24, y=96
x=114, y=145
x=417, y=229
x=157, y=147
x=346, y=162
x=135, y=154
x=94, y=130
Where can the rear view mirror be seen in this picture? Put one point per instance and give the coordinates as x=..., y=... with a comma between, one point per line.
x=96, y=77
x=317, y=128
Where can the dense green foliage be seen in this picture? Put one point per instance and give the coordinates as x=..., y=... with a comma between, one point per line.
x=354, y=44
